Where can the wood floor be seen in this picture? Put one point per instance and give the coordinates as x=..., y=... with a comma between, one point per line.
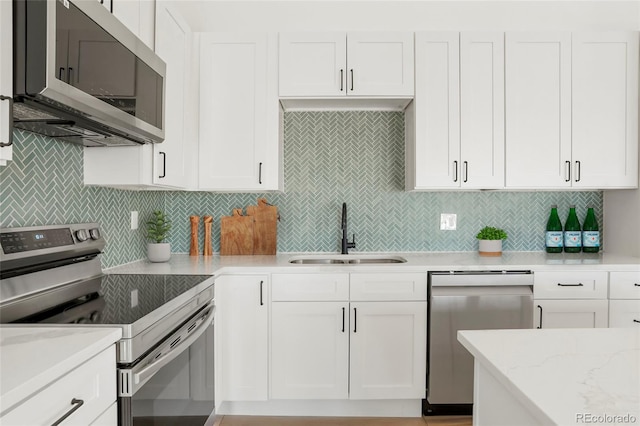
x=343, y=421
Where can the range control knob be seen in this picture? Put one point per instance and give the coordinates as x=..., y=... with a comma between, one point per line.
x=81, y=235
x=94, y=233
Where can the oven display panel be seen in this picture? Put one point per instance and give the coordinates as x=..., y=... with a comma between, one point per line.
x=16, y=242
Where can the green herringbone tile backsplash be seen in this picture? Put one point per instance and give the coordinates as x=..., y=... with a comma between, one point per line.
x=329, y=157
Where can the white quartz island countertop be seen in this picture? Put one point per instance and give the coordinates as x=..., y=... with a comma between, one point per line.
x=33, y=357
x=561, y=376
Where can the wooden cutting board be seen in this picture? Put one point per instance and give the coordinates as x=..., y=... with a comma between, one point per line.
x=236, y=234
x=265, y=227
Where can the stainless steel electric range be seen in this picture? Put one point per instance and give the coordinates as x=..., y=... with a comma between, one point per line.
x=51, y=275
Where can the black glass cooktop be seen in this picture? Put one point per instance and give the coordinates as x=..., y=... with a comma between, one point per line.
x=118, y=299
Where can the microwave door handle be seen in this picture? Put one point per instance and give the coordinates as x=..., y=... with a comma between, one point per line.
x=146, y=373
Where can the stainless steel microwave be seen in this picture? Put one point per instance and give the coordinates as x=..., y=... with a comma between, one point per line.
x=82, y=76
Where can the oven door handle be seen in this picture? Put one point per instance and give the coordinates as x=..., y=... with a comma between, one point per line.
x=146, y=373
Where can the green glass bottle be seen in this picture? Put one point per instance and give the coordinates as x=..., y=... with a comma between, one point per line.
x=590, y=233
x=553, y=236
x=572, y=232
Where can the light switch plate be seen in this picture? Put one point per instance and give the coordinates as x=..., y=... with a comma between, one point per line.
x=448, y=221
x=134, y=220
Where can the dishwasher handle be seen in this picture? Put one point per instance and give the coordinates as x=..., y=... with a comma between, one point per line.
x=487, y=279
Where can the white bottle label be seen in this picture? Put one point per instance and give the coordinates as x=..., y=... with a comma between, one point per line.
x=591, y=239
x=554, y=239
x=572, y=238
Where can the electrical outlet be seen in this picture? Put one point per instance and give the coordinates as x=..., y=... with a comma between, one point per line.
x=448, y=221
x=134, y=220
x=134, y=298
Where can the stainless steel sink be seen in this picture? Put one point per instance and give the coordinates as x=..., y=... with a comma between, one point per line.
x=346, y=260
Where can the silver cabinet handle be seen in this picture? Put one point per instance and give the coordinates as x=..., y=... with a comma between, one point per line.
x=10, y=99
x=455, y=171
x=355, y=320
x=466, y=171
x=352, y=79
x=343, y=322
x=77, y=403
x=261, y=300
x=578, y=171
x=260, y=174
x=567, y=171
x=341, y=80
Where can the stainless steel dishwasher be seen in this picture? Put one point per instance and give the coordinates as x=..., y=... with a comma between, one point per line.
x=478, y=300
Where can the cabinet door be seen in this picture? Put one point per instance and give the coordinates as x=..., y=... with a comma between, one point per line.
x=6, y=79
x=571, y=313
x=238, y=112
x=436, y=153
x=380, y=64
x=538, y=109
x=388, y=350
x=309, y=350
x=482, y=110
x=624, y=313
x=313, y=64
x=128, y=12
x=241, y=338
x=605, y=109
x=173, y=45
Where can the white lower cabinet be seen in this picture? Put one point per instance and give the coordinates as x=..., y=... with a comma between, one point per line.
x=85, y=392
x=571, y=299
x=571, y=313
x=388, y=350
x=108, y=418
x=624, y=299
x=348, y=349
x=309, y=350
x=241, y=341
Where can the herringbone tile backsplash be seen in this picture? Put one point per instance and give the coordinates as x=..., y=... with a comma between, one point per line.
x=358, y=158
x=329, y=157
x=43, y=185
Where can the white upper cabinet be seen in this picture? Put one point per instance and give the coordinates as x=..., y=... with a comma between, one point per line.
x=458, y=112
x=239, y=112
x=482, y=110
x=538, y=109
x=433, y=152
x=172, y=159
x=605, y=109
x=572, y=110
x=6, y=80
x=330, y=64
x=138, y=16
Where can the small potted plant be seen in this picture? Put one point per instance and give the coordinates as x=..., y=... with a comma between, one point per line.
x=157, y=229
x=490, y=241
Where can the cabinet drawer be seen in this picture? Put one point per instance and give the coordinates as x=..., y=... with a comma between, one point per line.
x=624, y=285
x=570, y=285
x=93, y=382
x=309, y=287
x=624, y=313
x=401, y=286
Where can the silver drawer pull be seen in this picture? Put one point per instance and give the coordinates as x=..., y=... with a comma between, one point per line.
x=571, y=285
x=77, y=403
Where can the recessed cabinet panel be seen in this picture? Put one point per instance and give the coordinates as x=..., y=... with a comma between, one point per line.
x=605, y=109
x=310, y=350
x=312, y=63
x=437, y=112
x=538, y=109
x=238, y=112
x=624, y=313
x=482, y=110
x=380, y=64
x=571, y=313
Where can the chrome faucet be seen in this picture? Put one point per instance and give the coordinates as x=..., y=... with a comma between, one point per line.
x=346, y=244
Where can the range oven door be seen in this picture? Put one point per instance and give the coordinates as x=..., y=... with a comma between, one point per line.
x=173, y=384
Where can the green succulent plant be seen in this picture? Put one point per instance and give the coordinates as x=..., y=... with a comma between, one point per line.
x=491, y=233
x=158, y=226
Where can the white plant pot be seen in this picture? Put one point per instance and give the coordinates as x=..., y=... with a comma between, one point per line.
x=490, y=247
x=159, y=252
